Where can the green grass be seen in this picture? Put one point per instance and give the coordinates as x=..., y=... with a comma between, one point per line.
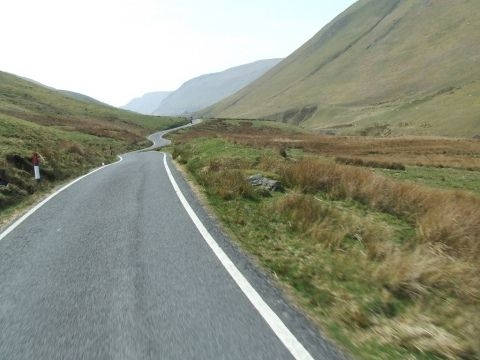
x=29, y=101
x=66, y=154
x=442, y=178
x=382, y=67
x=264, y=123
x=72, y=135
x=329, y=265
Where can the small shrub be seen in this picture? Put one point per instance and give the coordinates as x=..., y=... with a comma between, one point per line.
x=282, y=151
x=20, y=162
x=10, y=194
x=182, y=153
x=302, y=211
x=76, y=149
x=270, y=163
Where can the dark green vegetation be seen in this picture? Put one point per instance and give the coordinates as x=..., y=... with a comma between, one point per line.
x=388, y=268
x=71, y=135
x=382, y=67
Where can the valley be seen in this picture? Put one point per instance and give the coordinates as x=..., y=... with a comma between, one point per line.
x=381, y=252
x=72, y=136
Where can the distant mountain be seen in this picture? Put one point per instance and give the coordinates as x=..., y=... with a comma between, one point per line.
x=381, y=67
x=147, y=103
x=206, y=90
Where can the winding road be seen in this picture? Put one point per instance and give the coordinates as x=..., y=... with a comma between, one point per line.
x=124, y=263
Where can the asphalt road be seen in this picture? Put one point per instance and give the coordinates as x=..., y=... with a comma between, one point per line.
x=113, y=267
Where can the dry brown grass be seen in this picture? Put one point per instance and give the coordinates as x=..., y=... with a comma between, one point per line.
x=420, y=151
x=226, y=182
x=370, y=163
x=111, y=128
x=328, y=226
x=408, y=272
x=393, y=262
x=418, y=332
x=443, y=217
x=302, y=210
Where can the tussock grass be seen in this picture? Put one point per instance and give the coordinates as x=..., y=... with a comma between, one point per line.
x=419, y=333
x=408, y=151
x=370, y=163
x=326, y=225
x=389, y=268
x=443, y=217
x=228, y=184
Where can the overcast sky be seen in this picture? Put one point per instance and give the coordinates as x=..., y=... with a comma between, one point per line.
x=115, y=50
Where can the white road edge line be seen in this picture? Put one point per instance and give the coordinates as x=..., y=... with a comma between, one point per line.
x=272, y=319
x=50, y=197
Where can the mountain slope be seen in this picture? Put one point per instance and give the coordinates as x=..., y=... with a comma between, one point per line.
x=206, y=90
x=382, y=66
x=147, y=103
x=81, y=97
x=72, y=136
x=26, y=100
x=72, y=94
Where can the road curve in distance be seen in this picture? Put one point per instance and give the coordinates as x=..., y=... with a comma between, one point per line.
x=113, y=267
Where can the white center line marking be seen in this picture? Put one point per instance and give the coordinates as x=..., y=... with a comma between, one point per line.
x=277, y=325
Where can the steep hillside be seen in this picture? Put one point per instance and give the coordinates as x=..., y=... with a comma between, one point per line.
x=206, y=90
x=147, y=103
x=71, y=135
x=23, y=99
x=381, y=67
x=72, y=94
x=81, y=97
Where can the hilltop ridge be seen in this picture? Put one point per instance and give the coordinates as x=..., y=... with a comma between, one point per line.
x=207, y=89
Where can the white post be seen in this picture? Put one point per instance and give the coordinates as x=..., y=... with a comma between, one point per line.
x=36, y=169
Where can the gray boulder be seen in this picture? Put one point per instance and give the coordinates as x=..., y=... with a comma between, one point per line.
x=265, y=183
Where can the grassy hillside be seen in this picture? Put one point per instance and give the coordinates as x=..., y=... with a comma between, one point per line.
x=81, y=97
x=382, y=67
x=28, y=101
x=383, y=253
x=71, y=135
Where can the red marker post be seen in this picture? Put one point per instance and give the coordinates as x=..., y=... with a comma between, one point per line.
x=36, y=165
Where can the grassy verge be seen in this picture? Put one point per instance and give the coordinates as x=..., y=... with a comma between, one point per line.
x=388, y=268
x=16, y=210
x=66, y=154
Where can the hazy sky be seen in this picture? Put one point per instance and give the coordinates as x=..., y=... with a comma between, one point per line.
x=115, y=50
